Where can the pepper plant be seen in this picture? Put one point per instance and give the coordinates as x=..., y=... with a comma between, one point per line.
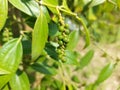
x=36, y=36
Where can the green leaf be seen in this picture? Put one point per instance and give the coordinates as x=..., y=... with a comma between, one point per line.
x=75, y=79
x=90, y=87
x=19, y=81
x=71, y=57
x=85, y=60
x=29, y=7
x=26, y=46
x=73, y=37
x=91, y=15
x=6, y=87
x=11, y=55
x=10, y=58
x=51, y=51
x=51, y=4
x=39, y=36
x=46, y=81
x=105, y=73
x=118, y=3
x=57, y=84
x=63, y=87
x=2, y=71
x=70, y=87
x=43, y=68
x=96, y=2
x=45, y=11
x=53, y=28
x=65, y=6
x=3, y=12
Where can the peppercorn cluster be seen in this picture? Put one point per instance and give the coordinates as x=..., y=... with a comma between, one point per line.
x=62, y=41
x=7, y=35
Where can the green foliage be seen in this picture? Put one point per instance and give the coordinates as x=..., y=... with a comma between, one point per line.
x=73, y=37
x=36, y=37
x=3, y=12
x=105, y=73
x=10, y=58
x=85, y=60
x=29, y=7
x=19, y=81
x=41, y=32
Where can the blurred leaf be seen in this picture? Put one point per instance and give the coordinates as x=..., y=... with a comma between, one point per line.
x=63, y=87
x=90, y=87
x=30, y=21
x=6, y=87
x=39, y=36
x=70, y=87
x=118, y=3
x=42, y=68
x=10, y=58
x=51, y=51
x=29, y=7
x=75, y=79
x=45, y=11
x=46, y=81
x=53, y=28
x=26, y=46
x=96, y=2
x=57, y=84
x=91, y=15
x=65, y=6
x=85, y=60
x=108, y=7
x=3, y=12
x=19, y=81
x=2, y=71
x=71, y=57
x=105, y=73
x=73, y=37
x=53, y=3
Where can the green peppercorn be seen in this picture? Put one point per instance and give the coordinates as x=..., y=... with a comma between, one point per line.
x=61, y=28
x=60, y=42
x=63, y=59
x=66, y=26
x=66, y=40
x=62, y=49
x=60, y=56
x=59, y=51
x=5, y=34
x=60, y=37
x=5, y=39
x=10, y=38
x=67, y=31
x=63, y=46
x=10, y=33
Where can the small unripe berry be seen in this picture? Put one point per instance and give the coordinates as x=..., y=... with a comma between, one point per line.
x=66, y=26
x=10, y=33
x=5, y=39
x=61, y=28
x=10, y=38
x=60, y=37
x=67, y=31
x=58, y=51
x=63, y=59
x=60, y=42
x=5, y=34
x=66, y=40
